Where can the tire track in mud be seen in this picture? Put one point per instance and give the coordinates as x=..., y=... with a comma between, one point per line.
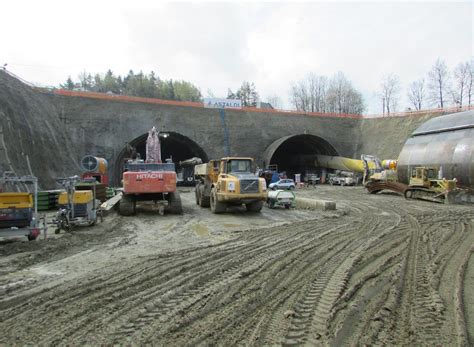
x=422, y=317
x=167, y=309
x=383, y=275
x=114, y=282
x=278, y=321
x=316, y=308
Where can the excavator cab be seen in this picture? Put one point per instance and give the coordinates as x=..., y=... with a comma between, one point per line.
x=373, y=169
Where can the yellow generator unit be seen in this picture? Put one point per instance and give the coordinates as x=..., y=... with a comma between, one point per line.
x=82, y=201
x=16, y=209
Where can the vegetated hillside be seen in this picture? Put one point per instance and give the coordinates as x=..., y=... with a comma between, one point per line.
x=33, y=140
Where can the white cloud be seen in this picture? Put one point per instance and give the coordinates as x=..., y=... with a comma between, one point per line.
x=218, y=45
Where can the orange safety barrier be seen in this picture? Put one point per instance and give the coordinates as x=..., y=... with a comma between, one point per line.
x=126, y=98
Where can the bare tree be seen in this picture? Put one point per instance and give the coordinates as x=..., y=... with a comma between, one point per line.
x=317, y=86
x=309, y=94
x=275, y=101
x=461, y=81
x=342, y=97
x=299, y=96
x=319, y=94
x=86, y=80
x=470, y=82
x=438, y=83
x=416, y=93
x=390, y=88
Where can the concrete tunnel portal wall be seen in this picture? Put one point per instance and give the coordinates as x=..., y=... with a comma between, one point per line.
x=173, y=145
x=101, y=125
x=295, y=153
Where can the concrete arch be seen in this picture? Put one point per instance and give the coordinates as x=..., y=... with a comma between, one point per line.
x=295, y=153
x=173, y=145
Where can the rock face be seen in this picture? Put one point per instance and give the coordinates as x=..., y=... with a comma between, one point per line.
x=33, y=140
x=47, y=134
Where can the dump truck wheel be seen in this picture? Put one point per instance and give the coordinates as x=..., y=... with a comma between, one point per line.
x=216, y=206
x=174, y=203
x=196, y=193
x=205, y=201
x=255, y=206
x=127, y=205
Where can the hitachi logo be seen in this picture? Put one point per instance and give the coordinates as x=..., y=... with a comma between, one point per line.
x=150, y=176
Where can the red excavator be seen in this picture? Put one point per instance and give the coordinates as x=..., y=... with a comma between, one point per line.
x=150, y=180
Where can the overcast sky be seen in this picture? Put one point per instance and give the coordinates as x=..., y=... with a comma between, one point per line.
x=218, y=45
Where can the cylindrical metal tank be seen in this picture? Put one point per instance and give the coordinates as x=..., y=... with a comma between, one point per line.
x=445, y=143
x=94, y=164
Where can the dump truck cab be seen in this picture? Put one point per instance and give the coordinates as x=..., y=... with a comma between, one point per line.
x=229, y=181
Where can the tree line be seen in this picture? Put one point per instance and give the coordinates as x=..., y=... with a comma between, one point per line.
x=317, y=93
x=440, y=88
x=135, y=84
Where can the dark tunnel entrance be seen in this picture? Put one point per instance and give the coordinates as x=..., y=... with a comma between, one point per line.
x=173, y=146
x=296, y=154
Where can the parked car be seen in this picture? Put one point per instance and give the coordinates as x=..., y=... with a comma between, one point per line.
x=342, y=180
x=283, y=184
x=311, y=178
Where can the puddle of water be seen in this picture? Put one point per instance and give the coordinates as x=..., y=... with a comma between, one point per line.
x=200, y=230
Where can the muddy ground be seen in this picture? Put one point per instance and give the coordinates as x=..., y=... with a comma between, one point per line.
x=379, y=270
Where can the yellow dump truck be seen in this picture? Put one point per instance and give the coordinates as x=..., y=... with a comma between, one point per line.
x=229, y=181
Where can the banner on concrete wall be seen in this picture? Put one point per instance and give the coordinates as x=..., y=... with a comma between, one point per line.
x=222, y=103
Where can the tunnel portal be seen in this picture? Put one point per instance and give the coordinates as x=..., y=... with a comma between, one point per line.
x=296, y=153
x=174, y=146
